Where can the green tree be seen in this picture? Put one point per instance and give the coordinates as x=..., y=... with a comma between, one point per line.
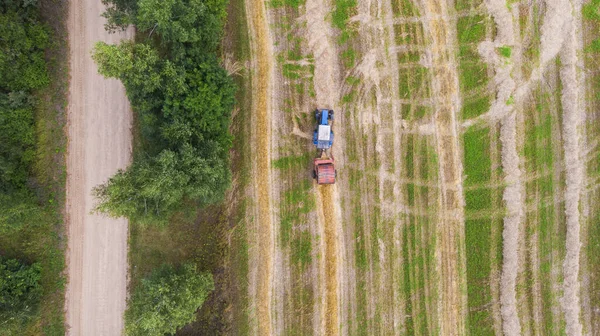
x=178, y=21
x=119, y=14
x=197, y=21
x=19, y=289
x=151, y=190
x=167, y=300
x=183, y=101
x=203, y=110
x=184, y=115
x=24, y=38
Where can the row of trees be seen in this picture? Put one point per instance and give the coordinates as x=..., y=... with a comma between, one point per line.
x=22, y=71
x=182, y=98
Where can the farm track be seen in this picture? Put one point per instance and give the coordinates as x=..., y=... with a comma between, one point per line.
x=572, y=125
x=326, y=88
x=263, y=258
x=450, y=232
x=98, y=127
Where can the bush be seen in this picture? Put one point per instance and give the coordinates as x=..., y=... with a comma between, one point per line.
x=19, y=290
x=17, y=140
x=167, y=300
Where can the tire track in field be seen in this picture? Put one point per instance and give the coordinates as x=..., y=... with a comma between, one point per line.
x=375, y=114
x=390, y=295
x=327, y=215
x=450, y=231
x=572, y=124
x=261, y=81
x=513, y=192
x=327, y=95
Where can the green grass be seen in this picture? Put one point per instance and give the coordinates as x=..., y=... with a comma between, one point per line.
x=477, y=162
x=292, y=71
x=349, y=57
x=293, y=161
x=591, y=10
x=302, y=249
x=475, y=107
x=461, y=5
x=478, y=199
x=297, y=202
x=592, y=249
x=505, y=51
x=472, y=75
x=406, y=57
x=479, y=296
x=290, y=3
x=418, y=235
x=414, y=82
x=539, y=159
x=415, y=112
x=471, y=29
x=406, y=33
x=343, y=10
x=472, y=70
x=404, y=8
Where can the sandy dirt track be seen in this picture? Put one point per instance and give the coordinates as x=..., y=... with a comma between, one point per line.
x=262, y=65
x=99, y=119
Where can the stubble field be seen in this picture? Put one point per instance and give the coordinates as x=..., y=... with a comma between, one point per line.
x=466, y=147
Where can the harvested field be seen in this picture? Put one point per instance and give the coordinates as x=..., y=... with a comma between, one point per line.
x=467, y=156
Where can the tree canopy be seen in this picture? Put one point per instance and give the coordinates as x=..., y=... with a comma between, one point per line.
x=174, y=21
x=167, y=300
x=24, y=38
x=184, y=109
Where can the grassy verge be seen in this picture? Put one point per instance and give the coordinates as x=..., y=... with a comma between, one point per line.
x=237, y=43
x=45, y=242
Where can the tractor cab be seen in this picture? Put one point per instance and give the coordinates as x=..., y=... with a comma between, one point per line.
x=323, y=135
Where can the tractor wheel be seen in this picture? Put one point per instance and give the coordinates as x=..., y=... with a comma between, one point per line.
x=331, y=115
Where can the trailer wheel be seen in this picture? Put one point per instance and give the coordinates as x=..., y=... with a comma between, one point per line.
x=314, y=174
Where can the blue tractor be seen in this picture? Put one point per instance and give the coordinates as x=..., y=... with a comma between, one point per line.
x=323, y=135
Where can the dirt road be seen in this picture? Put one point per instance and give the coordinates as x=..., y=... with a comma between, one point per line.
x=99, y=120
